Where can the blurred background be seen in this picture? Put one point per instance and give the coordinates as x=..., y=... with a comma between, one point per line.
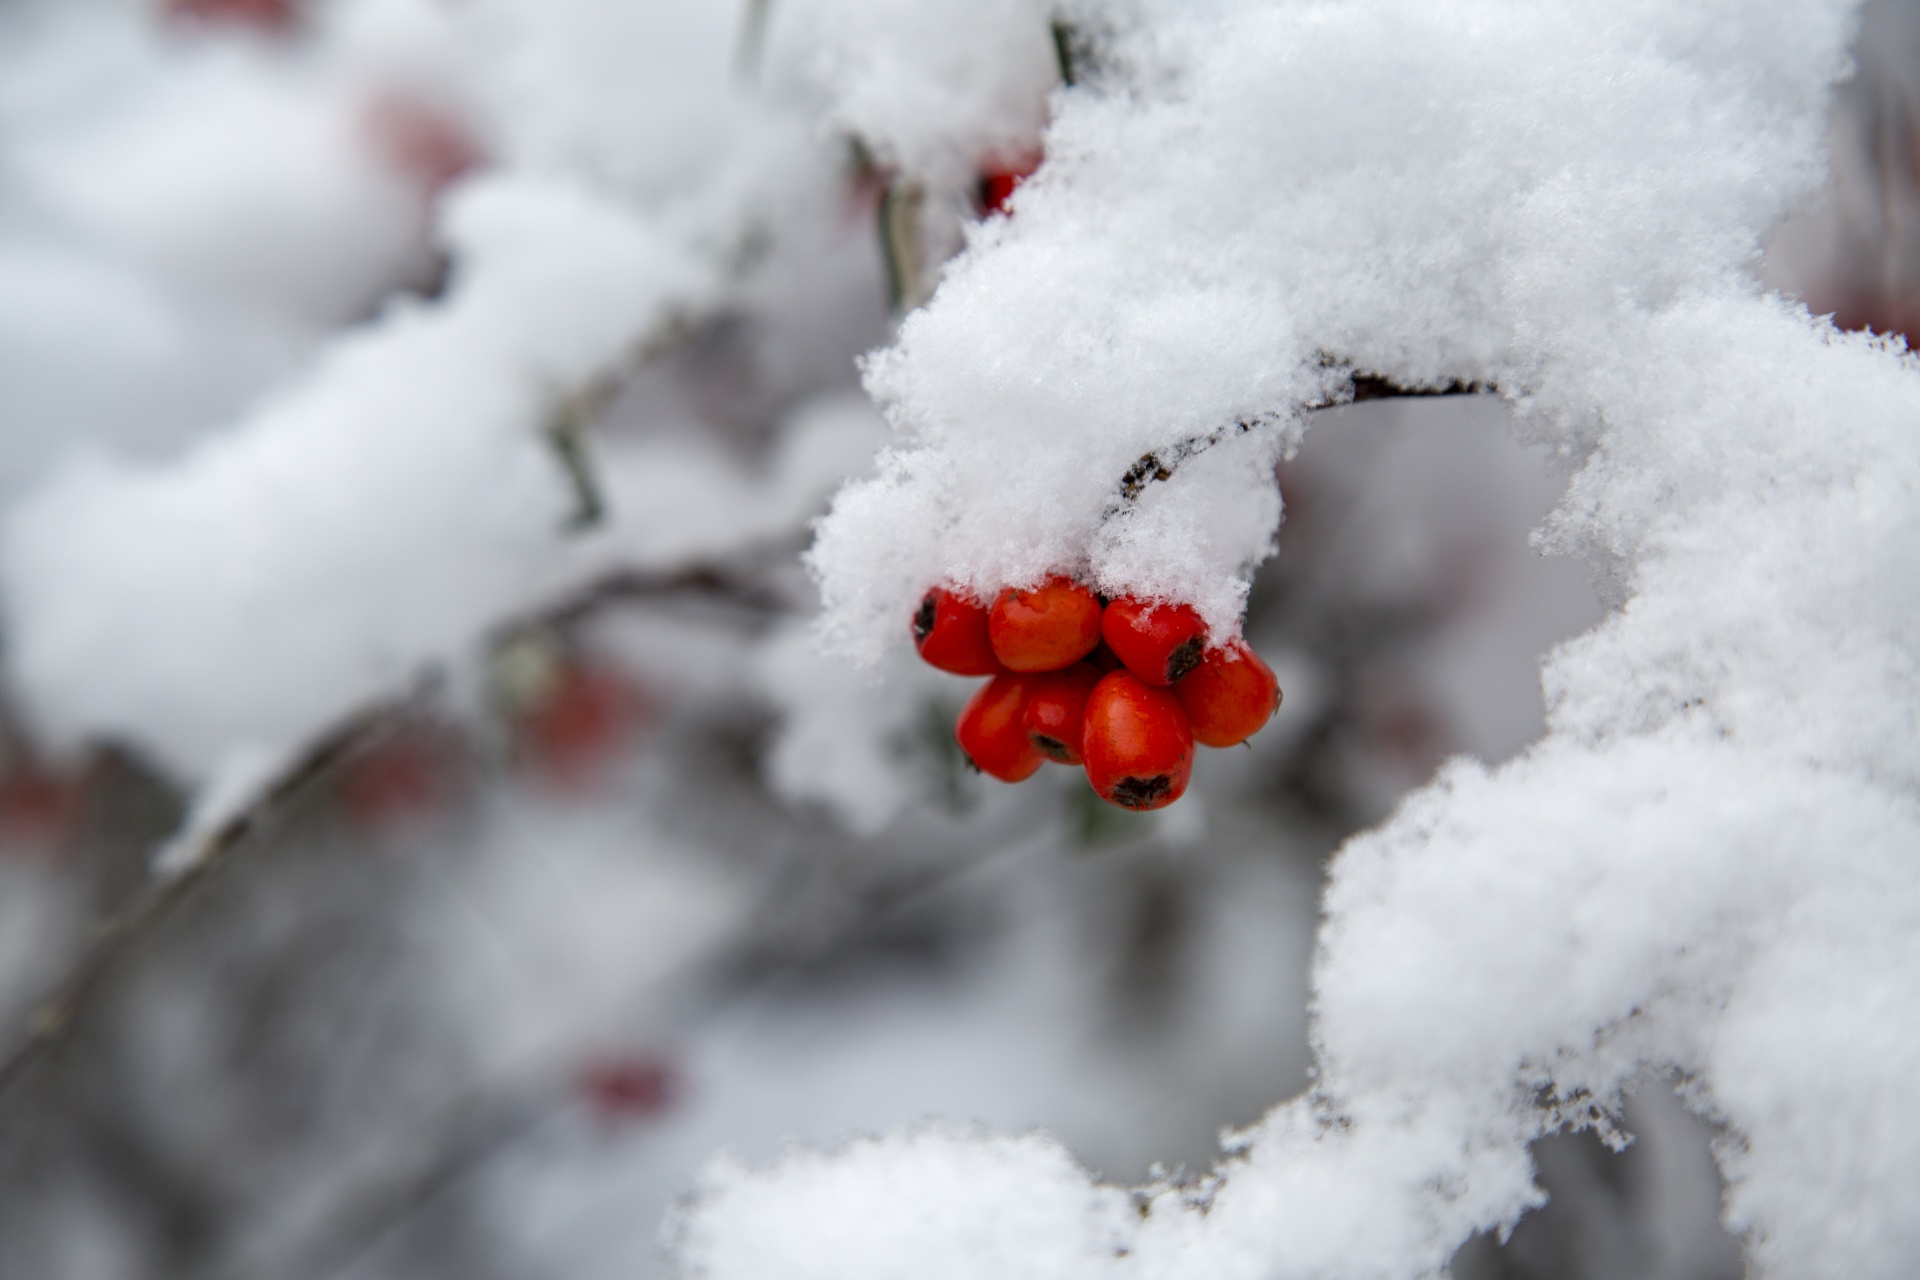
x=480, y=992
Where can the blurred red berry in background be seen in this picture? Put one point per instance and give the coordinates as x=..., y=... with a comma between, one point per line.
x=640, y=1087
x=575, y=729
x=262, y=15
x=421, y=142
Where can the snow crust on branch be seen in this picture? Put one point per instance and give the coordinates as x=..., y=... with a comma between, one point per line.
x=1710, y=867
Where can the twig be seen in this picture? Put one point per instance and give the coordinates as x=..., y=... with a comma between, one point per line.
x=1367, y=386
x=197, y=857
x=1160, y=464
x=716, y=581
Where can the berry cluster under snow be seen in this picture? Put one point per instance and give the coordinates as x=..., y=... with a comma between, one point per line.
x=1707, y=871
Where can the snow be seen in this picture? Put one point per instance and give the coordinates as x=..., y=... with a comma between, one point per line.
x=1708, y=865
x=939, y=89
x=915, y=1205
x=558, y=923
x=363, y=523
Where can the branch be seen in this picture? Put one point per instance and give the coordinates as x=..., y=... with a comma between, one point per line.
x=190, y=857
x=205, y=839
x=1160, y=464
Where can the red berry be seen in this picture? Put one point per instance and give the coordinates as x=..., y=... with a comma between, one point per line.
x=578, y=726
x=636, y=1088
x=1056, y=711
x=1138, y=746
x=997, y=183
x=1159, y=642
x=405, y=776
x=420, y=141
x=38, y=811
x=1229, y=696
x=950, y=631
x=265, y=15
x=991, y=733
x=1052, y=626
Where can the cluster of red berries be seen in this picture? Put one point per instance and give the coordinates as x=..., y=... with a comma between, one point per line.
x=1123, y=688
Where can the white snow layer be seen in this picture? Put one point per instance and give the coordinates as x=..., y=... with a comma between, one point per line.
x=1711, y=865
x=369, y=520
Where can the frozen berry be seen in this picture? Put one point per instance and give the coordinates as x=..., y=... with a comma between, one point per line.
x=1160, y=643
x=1138, y=748
x=1052, y=626
x=991, y=733
x=950, y=631
x=1229, y=696
x=1056, y=710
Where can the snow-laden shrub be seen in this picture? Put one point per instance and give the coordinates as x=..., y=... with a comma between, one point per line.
x=1709, y=865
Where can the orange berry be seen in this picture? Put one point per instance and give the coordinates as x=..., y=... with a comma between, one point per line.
x=991, y=733
x=1159, y=642
x=950, y=631
x=1052, y=626
x=1229, y=696
x=1138, y=748
x=1056, y=711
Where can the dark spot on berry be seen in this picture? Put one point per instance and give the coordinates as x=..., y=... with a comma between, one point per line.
x=1185, y=658
x=923, y=618
x=1142, y=793
x=1050, y=747
x=971, y=766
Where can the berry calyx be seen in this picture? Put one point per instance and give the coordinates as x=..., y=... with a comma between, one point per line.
x=990, y=730
x=1137, y=744
x=1052, y=626
x=1056, y=711
x=950, y=631
x=1160, y=643
x=1229, y=696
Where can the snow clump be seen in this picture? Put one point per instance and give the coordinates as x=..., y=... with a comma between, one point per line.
x=1710, y=866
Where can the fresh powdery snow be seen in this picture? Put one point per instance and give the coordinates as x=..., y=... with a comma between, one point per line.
x=1707, y=873
x=365, y=521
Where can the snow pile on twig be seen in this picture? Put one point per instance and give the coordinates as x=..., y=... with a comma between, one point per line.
x=1712, y=863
